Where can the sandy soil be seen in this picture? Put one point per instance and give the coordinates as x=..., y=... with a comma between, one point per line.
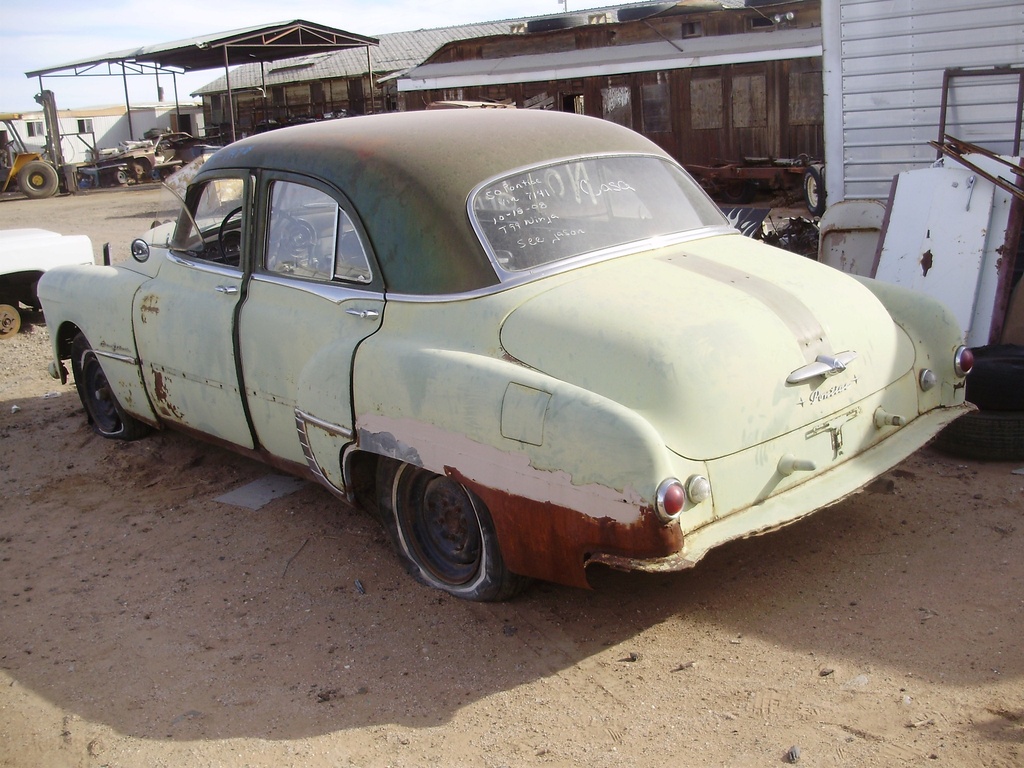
x=145, y=624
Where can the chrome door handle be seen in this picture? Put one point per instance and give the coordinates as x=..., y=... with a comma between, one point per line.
x=364, y=313
x=227, y=289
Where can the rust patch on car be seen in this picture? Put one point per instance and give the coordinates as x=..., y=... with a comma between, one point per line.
x=553, y=543
x=150, y=306
x=161, y=401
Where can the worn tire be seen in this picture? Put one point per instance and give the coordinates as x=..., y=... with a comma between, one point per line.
x=738, y=192
x=38, y=179
x=814, y=189
x=985, y=435
x=996, y=383
x=106, y=415
x=444, y=533
x=10, y=321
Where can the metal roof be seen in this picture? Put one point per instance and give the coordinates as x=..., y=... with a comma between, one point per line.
x=267, y=42
x=611, y=60
x=395, y=52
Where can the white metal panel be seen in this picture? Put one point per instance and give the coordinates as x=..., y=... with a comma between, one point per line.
x=884, y=62
x=935, y=241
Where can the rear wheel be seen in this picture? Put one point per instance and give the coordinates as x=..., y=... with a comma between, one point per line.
x=444, y=532
x=105, y=413
x=38, y=179
x=10, y=321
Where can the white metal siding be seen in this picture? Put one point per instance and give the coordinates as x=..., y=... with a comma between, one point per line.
x=884, y=62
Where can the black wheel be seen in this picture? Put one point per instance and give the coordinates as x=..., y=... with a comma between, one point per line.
x=106, y=415
x=738, y=192
x=140, y=169
x=986, y=435
x=444, y=532
x=814, y=189
x=996, y=383
x=38, y=179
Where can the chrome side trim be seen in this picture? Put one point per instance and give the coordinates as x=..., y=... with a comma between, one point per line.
x=335, y=292
x=301, y=417
x=302, y=420
x=567, y=265
x=130, y=359
x=205, y=266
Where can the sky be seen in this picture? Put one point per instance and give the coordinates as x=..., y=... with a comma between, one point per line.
x=40, y=34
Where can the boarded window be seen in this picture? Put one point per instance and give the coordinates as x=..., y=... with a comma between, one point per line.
x=749, y=105
x=618, y=107
x=656, y=108
x=705, y=103
x=806, y=98
x=217, y=108
x=277, y=96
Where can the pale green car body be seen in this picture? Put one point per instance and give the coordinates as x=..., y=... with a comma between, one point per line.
x=559, y=398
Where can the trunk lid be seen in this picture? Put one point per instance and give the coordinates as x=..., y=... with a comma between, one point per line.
x=700, y=338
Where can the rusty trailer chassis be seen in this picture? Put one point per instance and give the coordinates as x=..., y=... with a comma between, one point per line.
x=738, y=182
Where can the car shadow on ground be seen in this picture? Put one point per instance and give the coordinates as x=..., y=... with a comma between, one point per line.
x=133, y=598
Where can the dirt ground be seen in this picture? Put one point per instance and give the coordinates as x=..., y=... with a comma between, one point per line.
x=145, y=624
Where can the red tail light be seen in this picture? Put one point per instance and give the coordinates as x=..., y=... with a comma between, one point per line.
x=963, y=361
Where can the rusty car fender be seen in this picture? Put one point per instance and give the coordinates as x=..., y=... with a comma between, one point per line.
x=565, y=473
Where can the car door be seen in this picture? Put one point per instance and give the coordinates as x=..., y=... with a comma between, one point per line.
x=184, y=317
x=313, y=297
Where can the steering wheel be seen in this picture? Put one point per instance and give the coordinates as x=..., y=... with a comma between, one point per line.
x=297, y=240
x=229, y=238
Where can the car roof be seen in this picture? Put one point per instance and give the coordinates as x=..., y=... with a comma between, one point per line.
x=409, y=176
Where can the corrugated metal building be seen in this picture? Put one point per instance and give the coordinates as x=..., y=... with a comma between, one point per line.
x=884, y=65
x=327, y=84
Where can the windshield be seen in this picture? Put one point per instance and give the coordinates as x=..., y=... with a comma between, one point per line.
x=568, y=209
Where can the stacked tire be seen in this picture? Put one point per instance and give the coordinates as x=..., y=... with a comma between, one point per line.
x=995, y=432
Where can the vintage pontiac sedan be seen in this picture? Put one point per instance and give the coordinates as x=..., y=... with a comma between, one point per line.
x=527, y=340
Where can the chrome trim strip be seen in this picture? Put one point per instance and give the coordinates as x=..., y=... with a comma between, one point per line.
x=130, y=359
x=567, y=265
x=303, y=418
x=336, y=292
x=205, y=266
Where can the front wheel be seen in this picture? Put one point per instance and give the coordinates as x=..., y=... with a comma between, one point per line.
x=444, y=532
x=38, y=179
x=105, y=413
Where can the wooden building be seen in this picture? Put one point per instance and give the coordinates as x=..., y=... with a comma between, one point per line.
x=710, y=82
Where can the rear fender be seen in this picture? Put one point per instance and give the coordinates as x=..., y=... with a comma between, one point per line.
x=935, y=334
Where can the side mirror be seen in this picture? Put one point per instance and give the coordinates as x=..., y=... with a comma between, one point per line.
x=140, y=250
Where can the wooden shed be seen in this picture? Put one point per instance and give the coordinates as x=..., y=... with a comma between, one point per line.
x=710, y=82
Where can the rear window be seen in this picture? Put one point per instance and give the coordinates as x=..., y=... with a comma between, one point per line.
x=584, y=206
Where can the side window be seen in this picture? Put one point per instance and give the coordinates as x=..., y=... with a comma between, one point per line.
x=309, y=235
x=213, y=231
